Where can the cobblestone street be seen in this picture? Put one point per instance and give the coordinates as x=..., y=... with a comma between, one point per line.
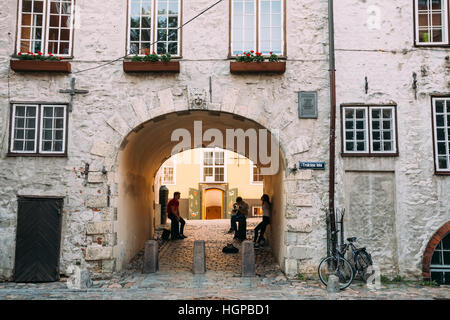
x=222, y=280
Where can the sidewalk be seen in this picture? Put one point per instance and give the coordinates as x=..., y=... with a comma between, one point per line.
x=222, y=281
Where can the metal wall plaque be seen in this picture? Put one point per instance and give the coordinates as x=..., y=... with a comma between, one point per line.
x=307, y=105
x=312, y=165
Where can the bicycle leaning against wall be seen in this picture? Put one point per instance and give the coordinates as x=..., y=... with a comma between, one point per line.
x=345, y=271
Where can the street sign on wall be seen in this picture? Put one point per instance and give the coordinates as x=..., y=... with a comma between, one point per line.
x=312, y=165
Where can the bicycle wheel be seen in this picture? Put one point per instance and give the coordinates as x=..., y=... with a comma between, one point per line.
x=363, y=262
x=339, y=267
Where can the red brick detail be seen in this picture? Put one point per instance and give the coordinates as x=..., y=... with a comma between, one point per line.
x=432, y=243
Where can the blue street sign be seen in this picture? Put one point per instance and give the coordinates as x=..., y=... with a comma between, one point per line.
x=312, y=165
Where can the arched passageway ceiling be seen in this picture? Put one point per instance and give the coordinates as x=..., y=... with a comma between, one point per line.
x=149, y=144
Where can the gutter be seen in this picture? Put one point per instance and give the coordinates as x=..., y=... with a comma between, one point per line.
x=332, y=159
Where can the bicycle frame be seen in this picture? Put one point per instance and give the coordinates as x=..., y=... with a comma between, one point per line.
x=354, y=251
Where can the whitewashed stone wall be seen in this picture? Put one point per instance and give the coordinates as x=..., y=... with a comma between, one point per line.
x=118, y=102
x=387, y=57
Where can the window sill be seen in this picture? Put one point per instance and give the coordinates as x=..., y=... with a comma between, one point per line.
x=257, y=67
x=442, y=173
x=40, y=155
x=40, y=66
x=369, y=155
x=432, y=46
x=159, y=67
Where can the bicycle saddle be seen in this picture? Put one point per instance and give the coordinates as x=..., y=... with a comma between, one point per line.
x=353, y=239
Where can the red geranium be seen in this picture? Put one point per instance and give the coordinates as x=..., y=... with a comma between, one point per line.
x=19, y=54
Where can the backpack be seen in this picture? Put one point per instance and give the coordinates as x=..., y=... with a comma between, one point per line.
x=229, y=248
x=165, y=235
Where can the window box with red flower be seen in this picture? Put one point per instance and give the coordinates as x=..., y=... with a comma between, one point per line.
x=152, y=63
x=31, y=62
x=251, y=62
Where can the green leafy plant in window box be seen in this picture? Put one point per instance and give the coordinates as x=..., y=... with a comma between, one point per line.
x=254, y=62
x=39, y=56
x=32, y=62
x=152, y=58
x=152, y=63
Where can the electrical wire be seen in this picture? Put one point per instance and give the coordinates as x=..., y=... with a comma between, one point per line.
x=180, y=27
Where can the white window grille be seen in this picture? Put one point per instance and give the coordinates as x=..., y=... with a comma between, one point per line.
x=440, y=262
x=441, y=121
x=24, y=129
x=432, y=22
x=38, y=129
x=255, y=174
x=369, y=130
x=45, y=26
x=154, y=27
x=257, y=25
x=213, y=166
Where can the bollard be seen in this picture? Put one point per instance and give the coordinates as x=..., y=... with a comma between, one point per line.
x=150, y=257
x=199, y=266
x=248, y=259
x=333, y=284
x=79, y=279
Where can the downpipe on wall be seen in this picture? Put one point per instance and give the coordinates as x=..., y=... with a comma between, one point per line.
x=332, y=71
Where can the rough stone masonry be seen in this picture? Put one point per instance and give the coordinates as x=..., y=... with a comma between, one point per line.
x=393, y=204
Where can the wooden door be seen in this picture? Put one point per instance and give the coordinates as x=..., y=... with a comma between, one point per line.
x=213, y=213
x=38, y=240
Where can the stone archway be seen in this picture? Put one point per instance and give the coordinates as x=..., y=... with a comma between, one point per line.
x=141, y=154
x=431, y=246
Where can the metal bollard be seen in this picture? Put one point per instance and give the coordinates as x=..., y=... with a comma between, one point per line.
x=248, y=259
x=199, y=266
x=150, y=257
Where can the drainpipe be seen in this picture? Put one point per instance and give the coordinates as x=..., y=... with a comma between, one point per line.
x=332, y=72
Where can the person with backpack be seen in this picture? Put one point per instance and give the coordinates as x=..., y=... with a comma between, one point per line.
x=173, y=212
x=261, y=227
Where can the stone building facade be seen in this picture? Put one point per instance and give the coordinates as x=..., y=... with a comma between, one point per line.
x=122, y=128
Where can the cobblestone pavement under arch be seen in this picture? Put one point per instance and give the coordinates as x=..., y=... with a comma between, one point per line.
x=222, y=280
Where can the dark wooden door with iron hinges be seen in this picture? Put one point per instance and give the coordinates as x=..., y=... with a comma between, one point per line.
x=38, y=239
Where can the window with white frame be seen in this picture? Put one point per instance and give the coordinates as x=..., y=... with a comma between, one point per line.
x=432, y=22
x=255, y=174
x=45, y=26
x=369, y=130
x=257, y=25
x=38, y=129
x=213, y=166
x=440, y=262
x=169, y=175
x=441, y=120
x=154, y=27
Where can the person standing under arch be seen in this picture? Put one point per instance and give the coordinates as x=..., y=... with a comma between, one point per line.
x=261, y=227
